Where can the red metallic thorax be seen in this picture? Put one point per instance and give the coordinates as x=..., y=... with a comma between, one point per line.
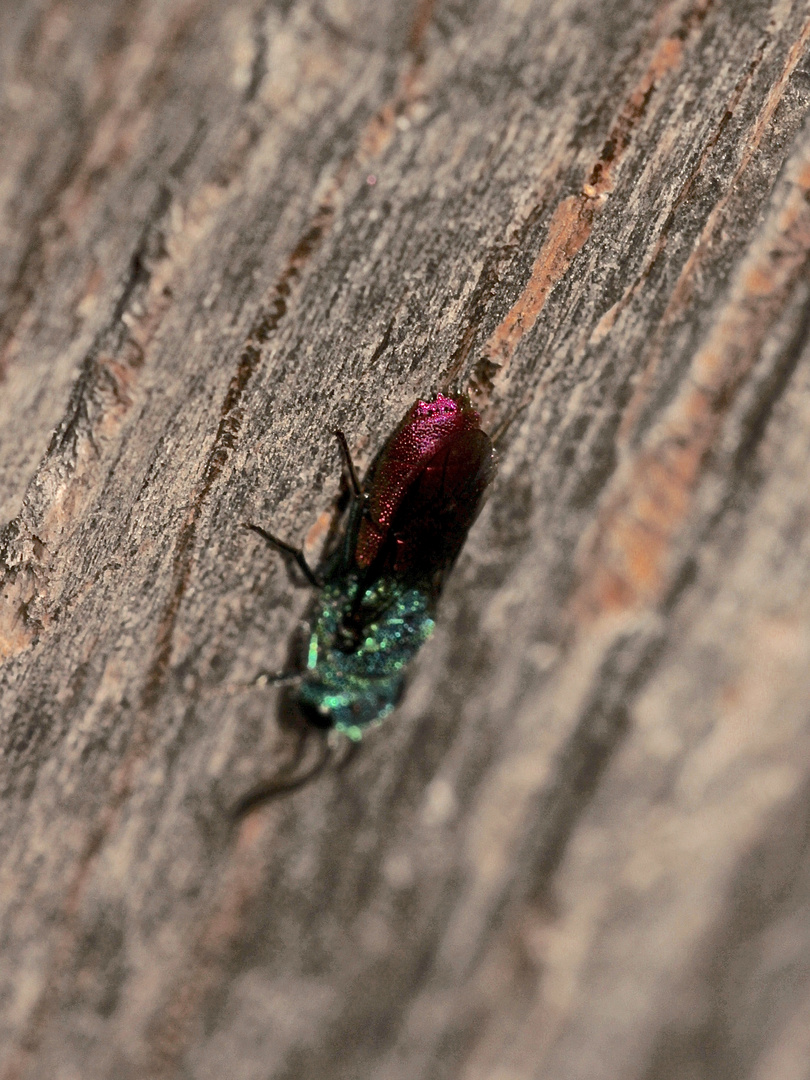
x=428, y=429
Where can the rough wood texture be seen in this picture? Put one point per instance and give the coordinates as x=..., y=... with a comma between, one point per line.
x=580, y=849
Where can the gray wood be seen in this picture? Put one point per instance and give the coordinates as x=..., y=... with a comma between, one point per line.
x=580, y=848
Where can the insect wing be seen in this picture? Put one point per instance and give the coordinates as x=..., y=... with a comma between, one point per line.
x=434, y=518
x=427, y=429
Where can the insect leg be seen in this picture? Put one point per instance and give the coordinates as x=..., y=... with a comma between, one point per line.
x=344, y=751
x=354, y=479
x=286, y=780
x=273, y=678
x=288, y=549
x=505, y=424
x=261, y=678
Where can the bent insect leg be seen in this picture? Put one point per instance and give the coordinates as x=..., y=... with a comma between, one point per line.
x=288, y=549
x=354, y=479
x=286, y=780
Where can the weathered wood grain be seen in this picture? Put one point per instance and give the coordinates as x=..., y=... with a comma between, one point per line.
x=579, y=850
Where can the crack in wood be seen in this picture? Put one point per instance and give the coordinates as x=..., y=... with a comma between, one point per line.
x=625, y=561
x=689, y=275
x=572, y=222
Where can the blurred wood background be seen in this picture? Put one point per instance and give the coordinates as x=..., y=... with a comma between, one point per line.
x=579, y=850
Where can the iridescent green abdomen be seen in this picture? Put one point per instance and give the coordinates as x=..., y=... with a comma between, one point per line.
x=363, y=637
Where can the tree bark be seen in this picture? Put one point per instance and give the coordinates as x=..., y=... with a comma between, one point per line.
x=579, y=848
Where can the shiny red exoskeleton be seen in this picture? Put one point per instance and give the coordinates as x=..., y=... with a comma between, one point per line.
x=424, y=489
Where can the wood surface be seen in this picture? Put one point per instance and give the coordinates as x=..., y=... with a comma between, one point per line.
x=580, y=849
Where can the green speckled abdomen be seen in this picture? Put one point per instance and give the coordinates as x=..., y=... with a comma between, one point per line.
x=362, y=639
